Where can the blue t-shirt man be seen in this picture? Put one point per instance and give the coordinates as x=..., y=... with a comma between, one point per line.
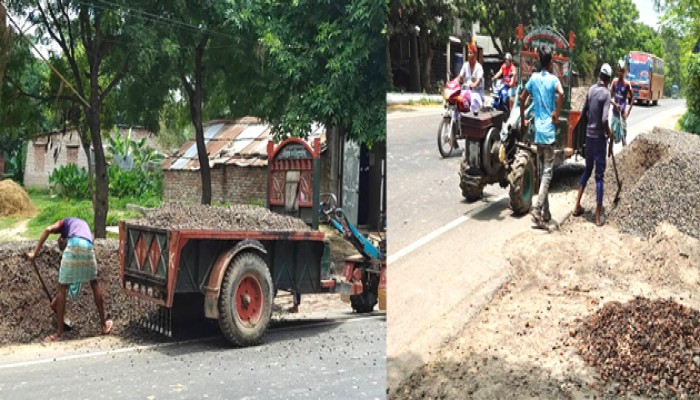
x=543, y=86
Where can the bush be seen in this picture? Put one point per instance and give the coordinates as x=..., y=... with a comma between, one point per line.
x=69, y=182
x=692, y=89
x=690, y=122
x=136, y=183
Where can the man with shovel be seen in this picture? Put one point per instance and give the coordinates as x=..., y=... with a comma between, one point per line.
x=78, y=265
x=596, y=109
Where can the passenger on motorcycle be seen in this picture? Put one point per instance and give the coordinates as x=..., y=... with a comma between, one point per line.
x=473, y=74
x=509, y=73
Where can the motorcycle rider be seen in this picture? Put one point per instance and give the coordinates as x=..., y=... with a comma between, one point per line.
x=508, y=72
x=473, y=74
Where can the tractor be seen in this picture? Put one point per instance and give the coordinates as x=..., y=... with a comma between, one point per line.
x=497, y=152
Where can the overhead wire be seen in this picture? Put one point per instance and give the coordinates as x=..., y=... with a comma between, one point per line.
x=23, y=36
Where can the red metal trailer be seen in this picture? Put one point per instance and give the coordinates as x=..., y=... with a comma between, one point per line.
x=236, y=272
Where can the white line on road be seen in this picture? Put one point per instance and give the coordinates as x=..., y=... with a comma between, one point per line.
x=440, y=231
x=163, y=345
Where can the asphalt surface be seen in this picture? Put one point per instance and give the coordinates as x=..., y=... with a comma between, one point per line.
x=445, y=254
x=340, y=358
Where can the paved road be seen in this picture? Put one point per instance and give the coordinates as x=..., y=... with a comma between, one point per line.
x=344, y=357
x=446, y=254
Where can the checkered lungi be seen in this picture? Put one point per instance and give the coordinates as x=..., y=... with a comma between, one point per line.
x=78, y=265
x=618, y=125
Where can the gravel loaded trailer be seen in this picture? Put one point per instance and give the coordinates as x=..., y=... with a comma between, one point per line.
x=236, y=271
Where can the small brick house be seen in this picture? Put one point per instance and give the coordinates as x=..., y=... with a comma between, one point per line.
x=237, y=159
x=52, y=150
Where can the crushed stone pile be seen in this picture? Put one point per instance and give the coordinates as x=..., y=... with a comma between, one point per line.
x=578, y=97
x=25, y=315
x=660, y=174
x=14, y=200
x=647, y=346
x=234, y=217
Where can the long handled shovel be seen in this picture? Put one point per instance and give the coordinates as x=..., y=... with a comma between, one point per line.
x=617, y=178
x=66, y=322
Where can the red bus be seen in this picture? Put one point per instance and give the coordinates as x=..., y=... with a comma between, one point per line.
x=646, y=76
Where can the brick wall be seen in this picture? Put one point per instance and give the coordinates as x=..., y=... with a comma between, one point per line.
x=229, y=184
x=46, y=153
x=50, y=151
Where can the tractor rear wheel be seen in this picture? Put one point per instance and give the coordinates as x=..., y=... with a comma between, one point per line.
x=522, y=183
x=245, y=300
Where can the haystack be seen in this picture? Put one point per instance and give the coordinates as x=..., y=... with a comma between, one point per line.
x=14, y=200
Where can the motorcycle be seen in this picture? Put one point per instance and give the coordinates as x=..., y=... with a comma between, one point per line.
x=499, y=94
x=455, y=101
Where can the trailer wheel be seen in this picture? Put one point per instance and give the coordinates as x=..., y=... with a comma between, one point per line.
x=364, y=303
x=245, y=300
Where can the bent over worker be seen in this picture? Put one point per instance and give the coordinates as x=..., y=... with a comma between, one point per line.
x=78, y=265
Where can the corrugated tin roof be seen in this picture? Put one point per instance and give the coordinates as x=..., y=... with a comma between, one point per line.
x=242, y=143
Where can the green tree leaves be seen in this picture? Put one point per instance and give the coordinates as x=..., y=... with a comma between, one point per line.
x=325, y=62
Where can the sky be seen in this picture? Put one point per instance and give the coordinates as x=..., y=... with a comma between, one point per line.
x=647, y=14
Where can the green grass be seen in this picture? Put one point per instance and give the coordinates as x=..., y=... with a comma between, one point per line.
x=51, y=209
x=8, y=222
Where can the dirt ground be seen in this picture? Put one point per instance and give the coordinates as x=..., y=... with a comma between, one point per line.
x=521, y=345
x=528, y=342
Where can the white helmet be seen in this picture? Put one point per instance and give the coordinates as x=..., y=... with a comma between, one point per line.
x=606, y=70
x=508, y=56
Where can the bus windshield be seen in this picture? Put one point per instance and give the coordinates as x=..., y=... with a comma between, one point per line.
x=640, y=67
x=639, y=72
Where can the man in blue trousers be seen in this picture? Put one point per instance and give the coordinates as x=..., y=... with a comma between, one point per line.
x=597, y=109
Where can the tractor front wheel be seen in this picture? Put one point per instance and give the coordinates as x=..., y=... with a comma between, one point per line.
x=522, y=183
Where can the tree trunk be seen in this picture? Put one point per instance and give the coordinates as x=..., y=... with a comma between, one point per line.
x=426, y=57
x=100, y=203
x=195, y=92
x=389, y=74
x=414, y=66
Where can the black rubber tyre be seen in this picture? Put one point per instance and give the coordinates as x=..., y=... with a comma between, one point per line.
x=245, y=300
x=472, y=186
x=492, y=165
x=364, y=303
x=444, y=138
x=522, y=187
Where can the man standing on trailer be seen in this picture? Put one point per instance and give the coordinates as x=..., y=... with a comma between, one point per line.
x=543, y=86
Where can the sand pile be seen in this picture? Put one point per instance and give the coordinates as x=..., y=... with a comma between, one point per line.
x=14, y=200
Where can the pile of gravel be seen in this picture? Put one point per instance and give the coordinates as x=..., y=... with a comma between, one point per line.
x=234, y=217
x=25, y=315
x=578, y=97
x=646, y=346
x=660, y=174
